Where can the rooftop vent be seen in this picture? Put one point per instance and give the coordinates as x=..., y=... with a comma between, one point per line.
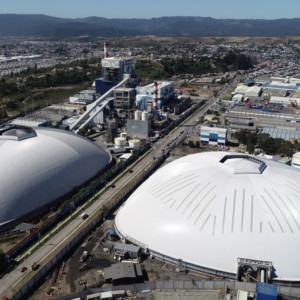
x=17, y=133
x=244, y=164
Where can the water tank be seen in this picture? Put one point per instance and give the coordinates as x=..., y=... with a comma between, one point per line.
x=262, y=275
x=137, y=115
x=135, y=144
x=144, y=116
x=120, y=142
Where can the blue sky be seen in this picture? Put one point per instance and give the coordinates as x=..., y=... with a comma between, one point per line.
x=237, y=9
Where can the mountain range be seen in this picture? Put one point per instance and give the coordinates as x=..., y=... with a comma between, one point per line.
x=47, y=26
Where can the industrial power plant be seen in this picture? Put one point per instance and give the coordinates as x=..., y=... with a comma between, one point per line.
x=212, y=215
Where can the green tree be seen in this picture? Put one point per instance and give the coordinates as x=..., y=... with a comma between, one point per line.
x=250, y=148
x=191, y=144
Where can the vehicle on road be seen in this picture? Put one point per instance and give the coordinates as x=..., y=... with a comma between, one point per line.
x=24, y=269
x=35, y=266
x=84, y=256
x=83, y=216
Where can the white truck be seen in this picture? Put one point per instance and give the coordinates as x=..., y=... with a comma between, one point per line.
x=84, y=256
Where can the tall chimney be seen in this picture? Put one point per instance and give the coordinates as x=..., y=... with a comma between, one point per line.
x=155, y=96
x=105, y=50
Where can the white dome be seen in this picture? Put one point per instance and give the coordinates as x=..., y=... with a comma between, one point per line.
x=39, y=166
x=208, y=211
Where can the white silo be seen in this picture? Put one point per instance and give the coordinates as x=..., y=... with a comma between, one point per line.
x=120, y=142
x=135, y=144
x=145, y=116
x=137, y=115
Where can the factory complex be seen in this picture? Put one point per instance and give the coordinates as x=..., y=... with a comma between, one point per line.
x=226, y=214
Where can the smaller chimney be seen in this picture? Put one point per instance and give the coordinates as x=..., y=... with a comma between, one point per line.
x=105, y=50
x=155, y=96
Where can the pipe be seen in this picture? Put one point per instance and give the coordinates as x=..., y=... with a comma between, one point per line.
x=105, y=50
x=155, y=96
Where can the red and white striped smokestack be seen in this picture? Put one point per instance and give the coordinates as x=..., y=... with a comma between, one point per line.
x=155, y=96
x=105, y=50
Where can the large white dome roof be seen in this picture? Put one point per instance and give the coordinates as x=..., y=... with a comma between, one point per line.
x=41, y=165
x=209, y=209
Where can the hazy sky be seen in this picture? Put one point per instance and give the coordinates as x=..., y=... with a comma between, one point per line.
x=237, y=9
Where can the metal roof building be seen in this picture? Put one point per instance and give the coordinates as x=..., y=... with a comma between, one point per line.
x=40, y=165
x=123, y=273
x=207, y=210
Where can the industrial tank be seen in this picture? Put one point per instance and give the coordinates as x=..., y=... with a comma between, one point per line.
x=120, y=142
x=135, y=144
x=137, y=115
x=144, y=116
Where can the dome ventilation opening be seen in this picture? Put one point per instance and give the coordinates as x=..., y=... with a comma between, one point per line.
x=244, y=164
x=18, y=133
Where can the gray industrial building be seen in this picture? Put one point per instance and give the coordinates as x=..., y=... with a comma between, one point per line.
x=124, y=98
x=113, y=68
x=138, y=128
x=126, y=251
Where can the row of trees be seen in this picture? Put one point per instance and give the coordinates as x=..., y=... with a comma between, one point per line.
x=14, y=89
x=266, y=143
x=234, y=61
x=186, y=66
x=166, y=68
x=7, y=87
x=58, y=78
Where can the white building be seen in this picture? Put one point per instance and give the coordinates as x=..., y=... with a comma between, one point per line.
x=237, y=97
x=165, y=92
x=284, y=101
x=213, y=135
x=252, y=91
x=207, y=210
x=83, y=97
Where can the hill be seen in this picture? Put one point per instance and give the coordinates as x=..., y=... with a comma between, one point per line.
x=42, y=25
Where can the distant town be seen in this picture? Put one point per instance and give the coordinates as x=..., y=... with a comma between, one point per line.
x=120, y=137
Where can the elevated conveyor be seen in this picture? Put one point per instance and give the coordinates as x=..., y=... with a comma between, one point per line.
x=95, y=108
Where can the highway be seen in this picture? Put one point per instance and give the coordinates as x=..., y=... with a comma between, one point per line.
x=12, y=282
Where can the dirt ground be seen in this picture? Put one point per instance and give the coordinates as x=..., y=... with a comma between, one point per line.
x=67, y=277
